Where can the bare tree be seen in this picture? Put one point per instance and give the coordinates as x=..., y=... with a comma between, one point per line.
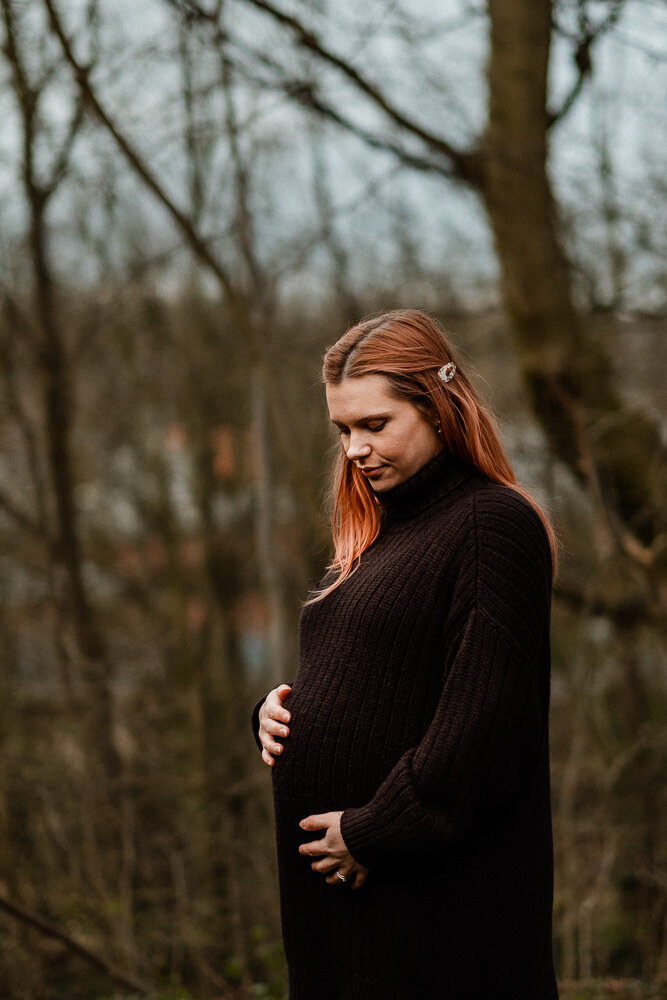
x=40, y=184
x=247, y=303
x=612, y=448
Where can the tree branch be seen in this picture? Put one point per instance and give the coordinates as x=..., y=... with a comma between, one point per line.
x=624, y=612
x=133, y=157
x=303, y=92
x=19, y=516
x=62, y=160
x=582, y=54
x=462, y=164
x=123, y=979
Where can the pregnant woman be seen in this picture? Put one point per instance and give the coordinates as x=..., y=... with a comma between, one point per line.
x=410, y=757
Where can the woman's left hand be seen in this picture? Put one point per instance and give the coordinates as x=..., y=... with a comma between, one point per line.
x=331, y=850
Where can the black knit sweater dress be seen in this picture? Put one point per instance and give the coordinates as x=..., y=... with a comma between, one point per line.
x=421, y=708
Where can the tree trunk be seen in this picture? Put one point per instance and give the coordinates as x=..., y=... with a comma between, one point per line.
x=53, y=370
x=567, y=369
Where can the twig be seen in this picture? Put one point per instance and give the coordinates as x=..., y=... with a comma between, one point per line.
x=81, y=75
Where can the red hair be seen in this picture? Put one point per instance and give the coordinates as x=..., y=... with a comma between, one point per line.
x=408, y=347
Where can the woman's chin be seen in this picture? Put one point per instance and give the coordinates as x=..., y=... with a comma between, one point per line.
x=383, y=483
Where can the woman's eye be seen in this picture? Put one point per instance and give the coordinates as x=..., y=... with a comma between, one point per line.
x=374, y=430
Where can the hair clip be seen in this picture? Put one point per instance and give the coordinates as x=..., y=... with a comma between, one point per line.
x=446, y=373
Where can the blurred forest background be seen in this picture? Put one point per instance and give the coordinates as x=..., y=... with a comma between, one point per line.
x=196, y=198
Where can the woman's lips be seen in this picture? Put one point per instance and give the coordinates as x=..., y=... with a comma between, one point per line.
x=372, y=471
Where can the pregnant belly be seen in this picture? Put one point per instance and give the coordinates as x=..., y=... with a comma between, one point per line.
x=333, y=758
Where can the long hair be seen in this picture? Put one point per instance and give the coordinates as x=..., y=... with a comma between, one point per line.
x=408, y=347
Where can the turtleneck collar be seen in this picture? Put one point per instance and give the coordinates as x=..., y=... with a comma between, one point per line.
x=435, y=479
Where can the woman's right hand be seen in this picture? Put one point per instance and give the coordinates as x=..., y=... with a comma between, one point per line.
x=273, y=717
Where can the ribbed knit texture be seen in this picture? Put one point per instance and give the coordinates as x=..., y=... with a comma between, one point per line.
x=420, y=707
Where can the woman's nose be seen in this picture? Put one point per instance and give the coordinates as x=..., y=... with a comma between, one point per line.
x=357, y=447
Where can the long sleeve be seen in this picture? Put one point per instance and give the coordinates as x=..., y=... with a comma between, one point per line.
x=485, y=735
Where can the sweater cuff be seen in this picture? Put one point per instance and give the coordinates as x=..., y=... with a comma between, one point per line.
x=393, y=821
x=255, y=721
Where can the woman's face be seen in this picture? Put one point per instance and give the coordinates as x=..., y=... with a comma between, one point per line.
x=380, y=432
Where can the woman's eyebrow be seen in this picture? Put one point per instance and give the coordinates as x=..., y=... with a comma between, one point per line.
x=364, y=420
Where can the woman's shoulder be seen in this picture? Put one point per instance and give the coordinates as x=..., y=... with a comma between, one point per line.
x=491, y=505
x=503, y=508
x=511, y=539
x=493, y=524
x=503, y=561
